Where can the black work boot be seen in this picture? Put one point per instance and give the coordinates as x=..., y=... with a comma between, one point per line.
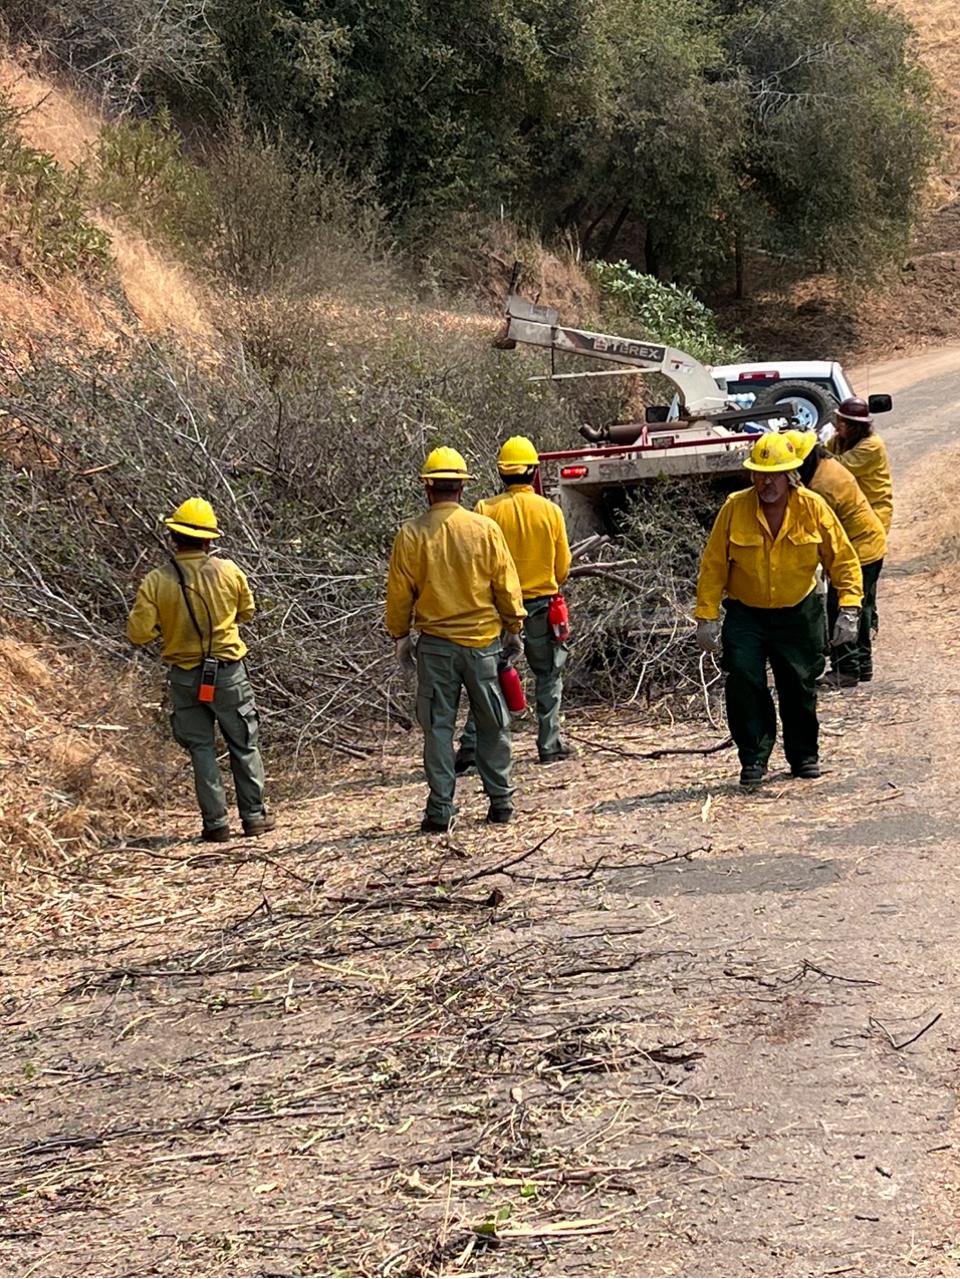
x=807, y=769
x=752, y=774
x=259, y=825
x=436, y=825
x=216, y=835
x=554, y=757
x=500, y=814
x=866, y=673
x=832, y=680
x=463, y=762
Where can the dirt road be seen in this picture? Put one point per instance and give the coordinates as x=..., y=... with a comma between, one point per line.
x=656, y=1027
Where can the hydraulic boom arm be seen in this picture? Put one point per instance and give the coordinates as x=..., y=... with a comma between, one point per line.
x=537, y=326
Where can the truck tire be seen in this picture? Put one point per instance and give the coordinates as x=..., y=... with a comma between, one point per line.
x=817, y=406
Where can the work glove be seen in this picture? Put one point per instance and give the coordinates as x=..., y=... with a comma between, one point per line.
x=846, y=627
x=708, y=635
x=512, y=646
x=404, y=654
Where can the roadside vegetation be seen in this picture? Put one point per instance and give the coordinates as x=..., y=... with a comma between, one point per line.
x=306, y=435
x=686, y=128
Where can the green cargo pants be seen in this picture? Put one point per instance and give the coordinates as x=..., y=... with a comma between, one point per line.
x=193, y=723
x=443, y=668
x=546, y=659
x=857, y=658
x=791, y=640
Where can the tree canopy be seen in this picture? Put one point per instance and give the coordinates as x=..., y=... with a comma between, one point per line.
x=682, y=128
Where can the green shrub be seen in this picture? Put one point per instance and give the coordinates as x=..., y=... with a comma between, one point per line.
x=253, y=211
x=291, y=224
x=662, y=312
x=143, y=175
x=44, y=227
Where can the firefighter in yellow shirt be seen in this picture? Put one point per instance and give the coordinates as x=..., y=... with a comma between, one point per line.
x=452, y=578
x=851, y=664
x=861, y=450
x=193, y=605
x=760, y=565
x=536, y=536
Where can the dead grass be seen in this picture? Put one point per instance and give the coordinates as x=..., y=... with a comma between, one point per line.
x=165, y=298
x=162, y=301
x=553, y=275
x=72, y=738
x=930, y=538
x=937, y=24
x=37, y=312
x=53, y=119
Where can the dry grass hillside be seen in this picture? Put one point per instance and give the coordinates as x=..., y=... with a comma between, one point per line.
x=72, y=739
x=937, y=23
x=75, y=728
x=158, y=296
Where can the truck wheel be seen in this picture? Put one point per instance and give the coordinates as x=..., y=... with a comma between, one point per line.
x=816, y=406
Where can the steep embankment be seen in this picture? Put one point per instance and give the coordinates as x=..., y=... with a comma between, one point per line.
x=81, y=756
x=151, y=295
x=937, y=24
x=77, y=761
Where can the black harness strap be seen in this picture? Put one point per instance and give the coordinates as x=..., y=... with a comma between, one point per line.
x=193, y=617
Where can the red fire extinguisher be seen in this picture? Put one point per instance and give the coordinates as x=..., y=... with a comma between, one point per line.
x=512, y=688
x=558, y=617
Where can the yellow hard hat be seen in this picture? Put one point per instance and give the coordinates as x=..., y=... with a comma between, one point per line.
x=517, y=455
x=445, y=464
x=773, y=453
x=194, y=518
x=803, y=441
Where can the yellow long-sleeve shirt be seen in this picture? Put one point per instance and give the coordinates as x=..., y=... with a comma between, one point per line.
x=160, y=610
x=536, y=536
x=743, y=561
x=868, y=461
x=451, y=575
x=841, y=492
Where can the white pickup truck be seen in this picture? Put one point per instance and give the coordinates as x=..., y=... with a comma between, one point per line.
x=815, y=386
x=713, y=419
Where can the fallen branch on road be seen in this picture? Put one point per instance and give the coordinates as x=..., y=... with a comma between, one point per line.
x=657, y=754
x=808, y=967
x=905, y=1043
x=499, y=867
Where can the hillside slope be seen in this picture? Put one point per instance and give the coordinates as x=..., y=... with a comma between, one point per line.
x=909, y=310
x=157, y=297
x=937, y=24
x=78, y=761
